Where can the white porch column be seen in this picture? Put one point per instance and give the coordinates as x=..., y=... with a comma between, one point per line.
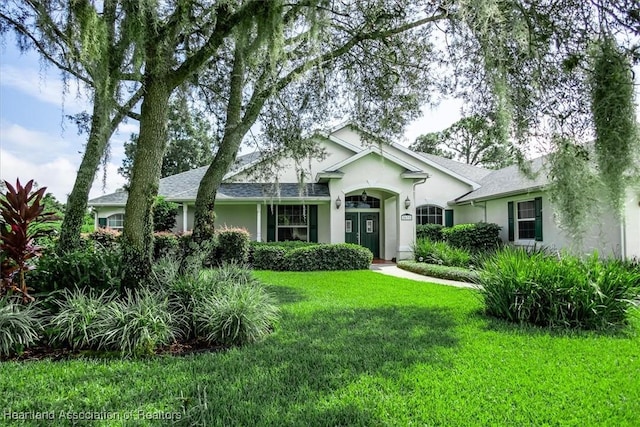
x=95, y=220
x=258, y=223
x=185, y=221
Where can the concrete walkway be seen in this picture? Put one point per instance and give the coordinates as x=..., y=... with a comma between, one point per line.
x=393, y=270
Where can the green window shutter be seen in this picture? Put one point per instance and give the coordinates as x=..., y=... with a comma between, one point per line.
x=313, y=223
x=271, y=223
x=512, y=232
x=102, y=222
x=448, y=218
x=538, y=206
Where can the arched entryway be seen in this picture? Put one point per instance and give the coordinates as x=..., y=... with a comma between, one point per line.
x=363, y=221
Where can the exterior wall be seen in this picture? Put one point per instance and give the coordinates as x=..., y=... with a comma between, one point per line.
x=287, y=167
x=632, y=224
x=603, y=236
x=390, y=224
x=324, y=222
x=347, y=134
x=438, y=189
x=468, y=214
x=244, y=216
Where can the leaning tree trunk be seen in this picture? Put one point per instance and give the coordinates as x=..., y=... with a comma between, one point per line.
x=137, y=237
x=205, y=201
x=77, y=201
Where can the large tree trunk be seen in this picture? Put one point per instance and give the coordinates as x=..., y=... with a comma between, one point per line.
x=77, y=201
x=233, y=133
x=137, y=244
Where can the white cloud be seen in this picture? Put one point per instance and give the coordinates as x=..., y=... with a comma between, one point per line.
x=28, y=140
x=58, y=175
x=46, y=87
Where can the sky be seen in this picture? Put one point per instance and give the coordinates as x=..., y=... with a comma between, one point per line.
x=37, y=142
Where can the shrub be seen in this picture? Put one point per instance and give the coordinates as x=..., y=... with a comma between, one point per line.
x=235, y=315
x=269, y=257
x=23, y=220
x=165, y=244
x=545, y=290
x=441, y=253
x=341, y=256
x=74, y=324
x=136, y=324
x=439, y=271
x=432, y=232
x=108, y=238
x=97, y=268
x=164, y=214
x=20, y=325
x=233, y=245
x=473, y=237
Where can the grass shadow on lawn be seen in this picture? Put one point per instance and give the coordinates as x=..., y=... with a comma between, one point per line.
x=289, y=379
x=285, y=294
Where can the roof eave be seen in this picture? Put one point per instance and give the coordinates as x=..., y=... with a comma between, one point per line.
x=499, y=195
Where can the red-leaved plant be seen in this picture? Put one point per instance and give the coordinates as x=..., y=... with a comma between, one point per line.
x=22, y=219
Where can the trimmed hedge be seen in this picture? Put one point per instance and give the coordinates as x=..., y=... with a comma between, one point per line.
x=233, y=245
x=473, y=237
x=340, y=256
x=268, y=257
x=432, y=232
x=439, y=271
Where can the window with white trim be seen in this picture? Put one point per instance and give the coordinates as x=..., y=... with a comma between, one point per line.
x=526, y=220
x=292, y=223
x=115, y=221
x=429, y=214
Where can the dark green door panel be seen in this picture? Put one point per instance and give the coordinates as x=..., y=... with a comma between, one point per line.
x=351, y=227
x=363, y=228
x=370, y=232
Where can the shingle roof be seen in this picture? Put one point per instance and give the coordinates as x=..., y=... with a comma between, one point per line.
x=507, y=181
x=471, y=172
x=249, y=191
x=180, y=186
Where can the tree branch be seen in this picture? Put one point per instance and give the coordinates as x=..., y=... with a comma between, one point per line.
x=43, y=51
x=222, y=29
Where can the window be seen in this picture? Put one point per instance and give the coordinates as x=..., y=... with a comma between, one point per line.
x=526, y=220
x=362, y=202
x=428, y=214
x=292, y=223
x=115, y=221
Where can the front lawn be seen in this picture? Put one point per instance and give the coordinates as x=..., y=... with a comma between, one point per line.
x=356, y=348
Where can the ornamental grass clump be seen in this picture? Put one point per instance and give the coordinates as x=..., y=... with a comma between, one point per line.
x=74, y=323
x=235, y=315
x=20, y=325
x=138, y=323
x=568, y=292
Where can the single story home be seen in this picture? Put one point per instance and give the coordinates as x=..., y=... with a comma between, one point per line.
x=375, y=195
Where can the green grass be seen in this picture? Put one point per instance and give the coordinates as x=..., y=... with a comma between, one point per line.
x=359, y=348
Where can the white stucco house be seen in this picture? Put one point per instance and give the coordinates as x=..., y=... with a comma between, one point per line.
x=375, y=195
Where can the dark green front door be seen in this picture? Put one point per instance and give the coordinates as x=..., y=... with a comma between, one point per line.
x=351, y=227
x=363, y=228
